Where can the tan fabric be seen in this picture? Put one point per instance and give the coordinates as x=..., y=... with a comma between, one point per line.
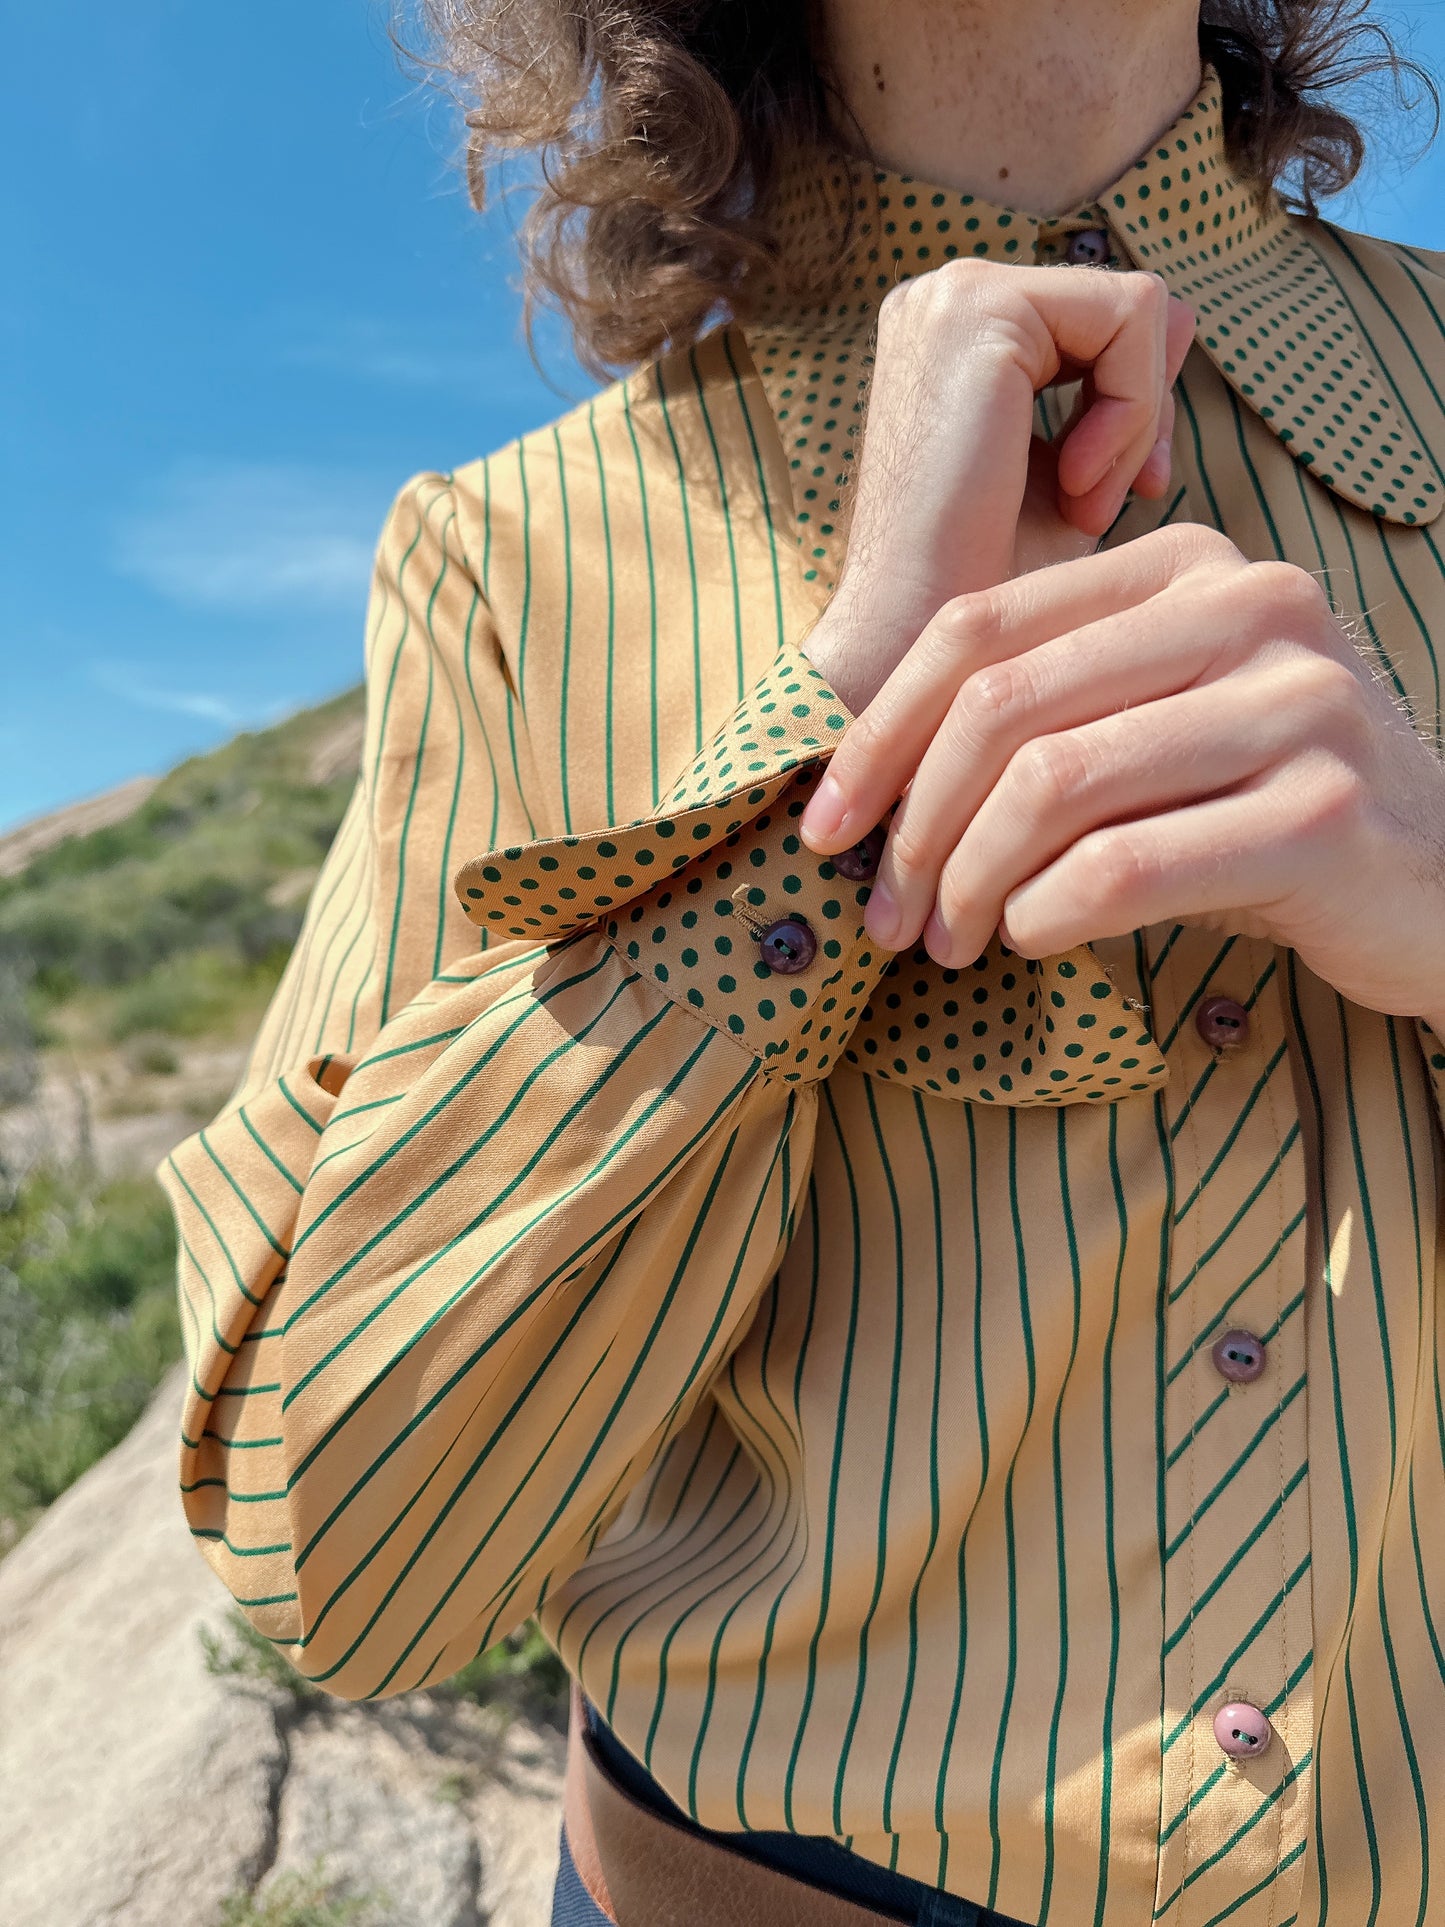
x=826, y=1358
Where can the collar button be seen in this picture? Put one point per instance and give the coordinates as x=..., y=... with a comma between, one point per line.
x=1089, y=247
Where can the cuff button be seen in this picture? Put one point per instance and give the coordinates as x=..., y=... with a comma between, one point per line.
x=860, y=862
x=788, y=945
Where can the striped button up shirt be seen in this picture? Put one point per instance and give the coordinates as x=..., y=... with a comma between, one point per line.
x=829, y=1356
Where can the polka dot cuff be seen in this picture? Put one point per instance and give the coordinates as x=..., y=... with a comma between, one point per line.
x=691, y=893
x=707, y=897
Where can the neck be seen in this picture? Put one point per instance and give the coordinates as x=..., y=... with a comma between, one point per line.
x=1037, y=104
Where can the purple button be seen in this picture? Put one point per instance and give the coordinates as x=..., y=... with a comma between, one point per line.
x=859, y=862
x=1222, y=1023
x=1089, y=247
x=1242, y=1730
x=788, y=945
x=1238, y=1356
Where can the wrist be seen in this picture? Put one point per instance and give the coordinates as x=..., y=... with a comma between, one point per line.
x=833, y=649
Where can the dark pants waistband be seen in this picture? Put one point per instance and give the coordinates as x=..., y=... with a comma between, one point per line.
x=821, y=1861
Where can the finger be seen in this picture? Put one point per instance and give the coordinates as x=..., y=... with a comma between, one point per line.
x=886, y=743
x=1181, y=323
x=1221, y=858
x=1059, y=788
x=1153, y=478
x=1128, y=381
x=1137, y=657
x=1095, y=512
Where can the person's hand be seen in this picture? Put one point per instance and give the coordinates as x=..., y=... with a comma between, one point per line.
x=1162, y=731
x=954, y=491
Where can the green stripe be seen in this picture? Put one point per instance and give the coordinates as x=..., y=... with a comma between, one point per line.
x=825, y=1588
x=890, y=1435
x=661, y=387
x=1010, y=1536
x=935, y=1508
x=417, y=756
x=1060, y=1536
x=619, y=1404
x=564, y=771
x=652, y=682
x=799, y=1365
x=1222, y=1484
x=514, y=1183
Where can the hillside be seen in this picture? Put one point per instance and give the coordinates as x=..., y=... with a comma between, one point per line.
x=140, y=936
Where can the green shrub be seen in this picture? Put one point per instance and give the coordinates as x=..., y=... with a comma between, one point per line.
x=192, y=994
x=192, y=871
x=88, y=1326
x=520, y=1673
x=153, y=1057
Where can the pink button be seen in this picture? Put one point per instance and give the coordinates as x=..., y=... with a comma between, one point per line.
x=1239, y=1357
x=1222, y=1023
x=1242, y=1730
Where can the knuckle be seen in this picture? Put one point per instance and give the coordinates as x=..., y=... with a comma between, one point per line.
x=1332, y=799
x=1328, y=685
x=1198, y=543
x=965, y=271
x=1145, y=289
x=1283, y=591
x=1114, y=870
x=907, y=850
x=1054, y=770
x=994, y=693
x=966, y=624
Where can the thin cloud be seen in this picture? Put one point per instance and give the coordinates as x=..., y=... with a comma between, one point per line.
x=133, y=686
x=247, y=536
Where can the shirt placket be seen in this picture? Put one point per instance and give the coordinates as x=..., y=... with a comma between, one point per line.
x=1233, y=1443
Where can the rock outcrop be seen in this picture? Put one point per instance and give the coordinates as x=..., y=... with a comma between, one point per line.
x=139, y=1787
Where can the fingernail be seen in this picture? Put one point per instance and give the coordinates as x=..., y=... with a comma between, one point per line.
x=880, y=918
x=824, y=815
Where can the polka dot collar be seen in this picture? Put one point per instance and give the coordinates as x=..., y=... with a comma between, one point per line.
x=1274, y=315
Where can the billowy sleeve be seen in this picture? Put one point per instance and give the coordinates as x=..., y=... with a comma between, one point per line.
x=518, y=1147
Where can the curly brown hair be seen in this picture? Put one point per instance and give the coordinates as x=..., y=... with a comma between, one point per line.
x=658, y=125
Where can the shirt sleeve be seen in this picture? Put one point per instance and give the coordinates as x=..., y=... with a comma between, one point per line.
x=488, y=1211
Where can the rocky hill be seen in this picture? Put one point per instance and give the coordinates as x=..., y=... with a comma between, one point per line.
x=158, y=1762
x=140, y=935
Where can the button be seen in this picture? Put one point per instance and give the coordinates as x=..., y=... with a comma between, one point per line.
x=861, y=861
x=1239, y=1357
x=1242, y=1730
x=1222, y=1023
x=788, y=945
x=1089, y=247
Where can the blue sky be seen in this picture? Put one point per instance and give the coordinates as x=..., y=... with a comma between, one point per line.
x=244, y=299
